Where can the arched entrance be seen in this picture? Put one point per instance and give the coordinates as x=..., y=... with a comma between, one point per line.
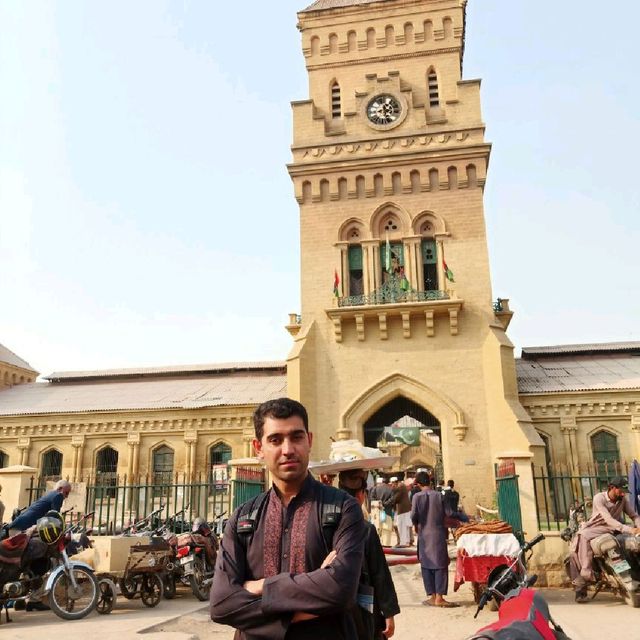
x=404, y=428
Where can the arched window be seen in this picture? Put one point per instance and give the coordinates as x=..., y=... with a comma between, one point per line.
x=52, y=465
x=396, y=182
x=352, y=41
x=4, y=460
x=220, y=454
x=324, y=190
x=360, y=186
x=343, y=191
x=434, y=180
x=336, y=105
x=162, y=470
x=415, y=181
x=429, y=264
x=606, y=454
x=315, y=46
x=306, y=192
x=356, y=273
x=388, y=35
x=472, y=178
x=371, y=38
x=107, y=470
x=432, y=88
x=452, y=177
x=447, y=26
x=428, y=30
x=333, y=43
x=408, y=33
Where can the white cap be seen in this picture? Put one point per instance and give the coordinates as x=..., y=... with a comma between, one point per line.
x=379, y=480
x=394, y=479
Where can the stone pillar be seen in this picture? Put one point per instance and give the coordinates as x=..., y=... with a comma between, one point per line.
x=16, y=481
x=442, y=279
x=411, y=263
x=343, y=268
x=368, y=266
x=190, y=440
x=635, y=429
x=133, y=464
x=77, y=442
x=24, y=445
x=568, y=428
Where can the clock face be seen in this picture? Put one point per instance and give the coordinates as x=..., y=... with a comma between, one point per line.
x=384, y=109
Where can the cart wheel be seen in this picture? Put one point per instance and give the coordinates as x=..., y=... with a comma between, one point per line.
x=106, y=597
x=169, y=586
x=151, y=589
x=128, y=587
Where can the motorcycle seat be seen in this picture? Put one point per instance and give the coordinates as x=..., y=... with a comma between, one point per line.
x=602, y=544
x=11, y=549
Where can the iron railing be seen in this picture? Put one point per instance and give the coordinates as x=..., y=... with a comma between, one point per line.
x=391, y=297
x=118, y=503
x=508, y=496
x=557, y=490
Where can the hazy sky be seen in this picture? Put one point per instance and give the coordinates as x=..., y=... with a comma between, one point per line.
x=146, y=215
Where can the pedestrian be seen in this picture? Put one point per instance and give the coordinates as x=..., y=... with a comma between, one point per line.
x=374, y=620
x=402, y=509
x=451, y=501
x=381, y=498
x=277, y=573
x=50, y=501
x=427, y=514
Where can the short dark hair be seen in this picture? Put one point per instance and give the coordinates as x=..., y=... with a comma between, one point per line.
x=281, y=409
x=450, y=483
x=423, y=479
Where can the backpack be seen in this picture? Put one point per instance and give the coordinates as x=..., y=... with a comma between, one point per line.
x=330, y=511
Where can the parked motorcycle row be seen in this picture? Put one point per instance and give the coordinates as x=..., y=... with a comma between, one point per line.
x=48, y=567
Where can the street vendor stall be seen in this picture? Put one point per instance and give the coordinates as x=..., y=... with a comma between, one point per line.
x=480, y=551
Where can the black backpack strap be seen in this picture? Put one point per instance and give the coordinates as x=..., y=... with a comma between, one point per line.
x=249, y=516
x=331, y=501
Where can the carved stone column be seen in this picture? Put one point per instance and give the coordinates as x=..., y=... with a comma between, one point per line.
x=133, y=464
x=568, y=428
x=635, y=429
x=343, y=268
x=190, y=440
x=77, y=442
x=24, y=445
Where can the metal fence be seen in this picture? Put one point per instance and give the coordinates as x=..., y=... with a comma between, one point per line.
x=508, y=495
x=558, y=490
x=117, y=502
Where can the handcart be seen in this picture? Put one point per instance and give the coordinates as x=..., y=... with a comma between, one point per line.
x=479, y=554
x=142, y=575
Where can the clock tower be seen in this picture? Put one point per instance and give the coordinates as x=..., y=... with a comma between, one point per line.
x=398, y=342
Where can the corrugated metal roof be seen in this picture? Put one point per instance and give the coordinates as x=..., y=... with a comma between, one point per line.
x=166, y=371
x=194, y=392
x=321, y=5
x=6, y=355
x=579, y=372
x=595, y=348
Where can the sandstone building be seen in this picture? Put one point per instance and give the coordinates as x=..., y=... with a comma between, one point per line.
x=397, y=319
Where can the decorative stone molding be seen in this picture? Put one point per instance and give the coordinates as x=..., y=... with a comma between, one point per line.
x=460, y=431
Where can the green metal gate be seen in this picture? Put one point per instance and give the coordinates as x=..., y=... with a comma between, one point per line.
x=247, y=483
x=509, y=497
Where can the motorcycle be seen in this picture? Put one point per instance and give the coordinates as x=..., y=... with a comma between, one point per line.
x=196, y=555
x=616, y=560
x=523, y=613
x=30, y=568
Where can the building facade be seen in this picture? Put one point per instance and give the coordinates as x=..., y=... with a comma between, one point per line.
x=398, y=321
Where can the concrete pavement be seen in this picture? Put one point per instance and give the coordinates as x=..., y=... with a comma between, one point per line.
x=187, y=619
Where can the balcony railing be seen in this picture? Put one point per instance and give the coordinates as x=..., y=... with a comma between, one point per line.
x=394, y=291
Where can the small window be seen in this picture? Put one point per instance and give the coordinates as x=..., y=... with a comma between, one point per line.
x=107, y=471
x=162, y=470
x=429, y=265
x=392, y=254
x=356, y=279
x=336, y=105
x=52, y=465
x=606, y=454
x=4, y=460
x=432, y=85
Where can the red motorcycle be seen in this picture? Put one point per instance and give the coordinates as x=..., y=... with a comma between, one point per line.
x=523, y=613
x=196, y=555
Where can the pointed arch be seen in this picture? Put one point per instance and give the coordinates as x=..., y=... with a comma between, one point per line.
x=376, y=224
x=361, y=408
x=51, y=463
x=347, y=229
x=428, y=224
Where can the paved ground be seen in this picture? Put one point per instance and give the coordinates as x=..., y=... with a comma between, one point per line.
x=186, y=619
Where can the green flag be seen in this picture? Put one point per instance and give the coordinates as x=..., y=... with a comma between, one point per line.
x=409, y=435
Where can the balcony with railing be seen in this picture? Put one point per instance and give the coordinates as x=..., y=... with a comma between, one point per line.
x=395, y=299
